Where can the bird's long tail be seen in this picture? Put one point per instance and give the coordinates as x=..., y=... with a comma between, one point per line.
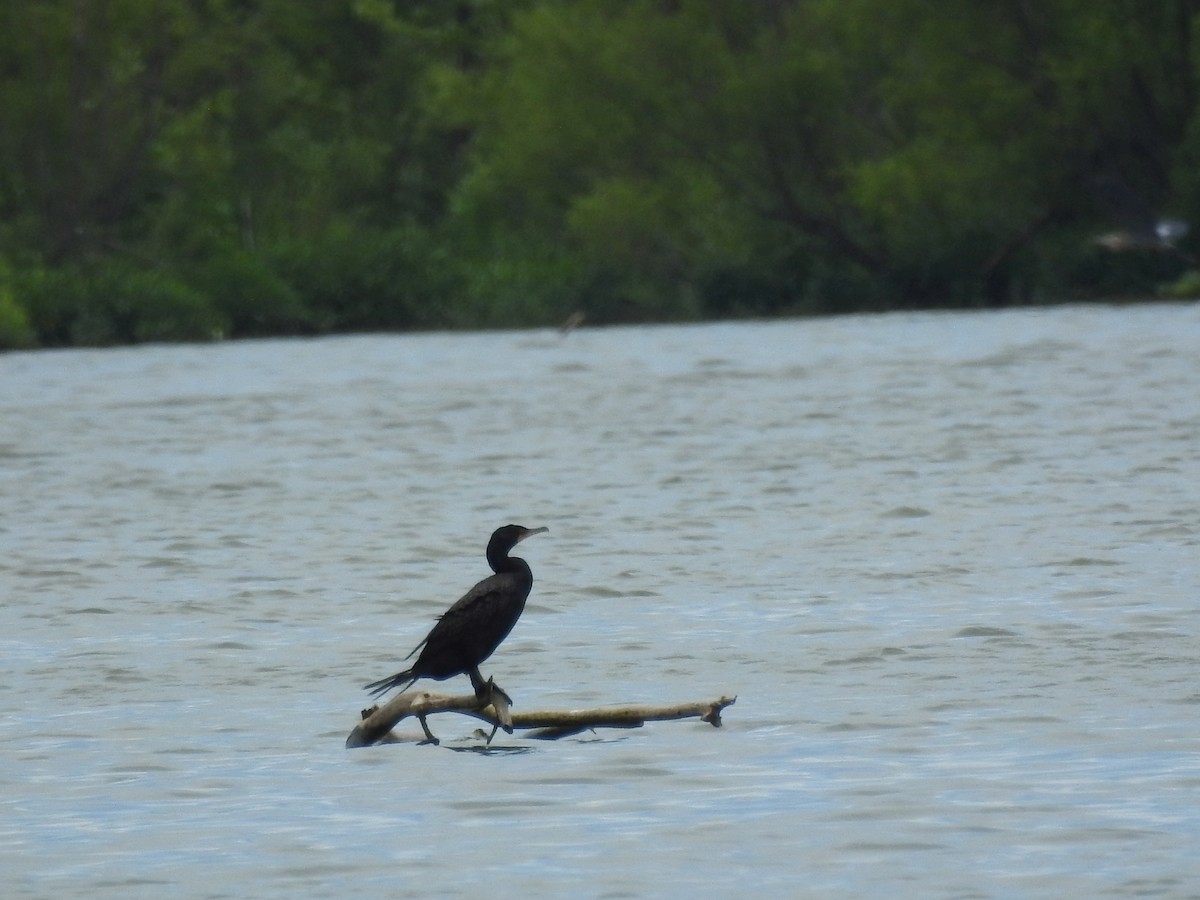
x=383, y=685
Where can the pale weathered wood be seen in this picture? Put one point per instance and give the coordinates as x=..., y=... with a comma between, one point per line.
x=378, y=722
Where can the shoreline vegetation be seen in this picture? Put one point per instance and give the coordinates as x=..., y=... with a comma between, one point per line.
x=188, y=171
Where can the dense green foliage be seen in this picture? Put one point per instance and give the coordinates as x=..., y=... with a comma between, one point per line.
x=184, y=169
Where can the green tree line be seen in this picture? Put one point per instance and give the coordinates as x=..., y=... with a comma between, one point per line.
x=192, y=169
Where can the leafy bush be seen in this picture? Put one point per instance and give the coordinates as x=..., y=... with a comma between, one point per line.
x=251, y=298
x=114, y=303
x=365, y=279
x=15, y=331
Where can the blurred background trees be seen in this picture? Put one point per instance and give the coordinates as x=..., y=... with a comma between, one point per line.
x=189, y=169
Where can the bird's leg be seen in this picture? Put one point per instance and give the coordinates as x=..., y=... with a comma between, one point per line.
x=489, y=694
x=501, y=703
x=477, y=682
x=429, y=738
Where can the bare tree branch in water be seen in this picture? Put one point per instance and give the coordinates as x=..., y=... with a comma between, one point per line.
x=493, y=707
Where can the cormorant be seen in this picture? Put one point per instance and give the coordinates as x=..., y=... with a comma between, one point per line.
x=469, y=631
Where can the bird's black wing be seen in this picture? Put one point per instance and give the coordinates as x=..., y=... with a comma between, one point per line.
x=476, y=624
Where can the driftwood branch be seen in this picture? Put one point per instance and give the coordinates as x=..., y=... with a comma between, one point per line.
x=493, y=707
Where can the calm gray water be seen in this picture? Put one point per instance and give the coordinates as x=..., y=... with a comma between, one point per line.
x=948, y=563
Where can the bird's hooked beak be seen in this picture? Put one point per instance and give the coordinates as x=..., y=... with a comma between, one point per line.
x=530, y=532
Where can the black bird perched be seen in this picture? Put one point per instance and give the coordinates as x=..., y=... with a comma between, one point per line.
x=469, y=631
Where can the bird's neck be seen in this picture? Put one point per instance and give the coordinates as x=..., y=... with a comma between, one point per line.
x=502, y=564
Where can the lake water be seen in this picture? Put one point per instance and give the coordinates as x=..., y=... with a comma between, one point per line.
x=948, y=563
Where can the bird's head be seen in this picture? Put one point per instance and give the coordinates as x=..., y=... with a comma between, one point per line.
x=508, y=536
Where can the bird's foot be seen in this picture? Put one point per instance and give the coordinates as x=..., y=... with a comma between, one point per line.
x=429, y=736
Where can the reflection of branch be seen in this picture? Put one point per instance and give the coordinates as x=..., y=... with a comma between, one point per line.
x=377, y=722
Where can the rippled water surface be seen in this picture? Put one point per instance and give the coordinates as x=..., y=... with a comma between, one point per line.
x=948, y=563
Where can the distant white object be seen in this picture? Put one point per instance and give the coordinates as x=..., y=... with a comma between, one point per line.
x=1143, y=230
x=1171, y=230
x=1162, y=237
